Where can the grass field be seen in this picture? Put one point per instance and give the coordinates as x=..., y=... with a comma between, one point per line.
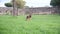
x=39, y=24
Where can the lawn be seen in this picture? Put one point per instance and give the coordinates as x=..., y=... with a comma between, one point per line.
x=39, y=24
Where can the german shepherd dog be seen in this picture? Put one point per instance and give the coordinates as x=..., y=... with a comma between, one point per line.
x=28, y=17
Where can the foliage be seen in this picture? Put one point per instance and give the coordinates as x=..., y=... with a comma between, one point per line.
x=55, y=2
x=19, y=3
x=8, y=4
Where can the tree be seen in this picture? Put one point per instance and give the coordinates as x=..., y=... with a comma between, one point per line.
x=20, y=3
x=56, y=4
x=8, y=4
x=16, y=4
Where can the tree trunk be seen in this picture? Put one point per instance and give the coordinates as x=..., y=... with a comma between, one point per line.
x=57, y=10
x=14, y=13
x=17, y=11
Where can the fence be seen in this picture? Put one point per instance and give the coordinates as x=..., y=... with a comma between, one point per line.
x=37, y=10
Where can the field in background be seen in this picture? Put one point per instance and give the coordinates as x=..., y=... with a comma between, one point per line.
x=39, y=24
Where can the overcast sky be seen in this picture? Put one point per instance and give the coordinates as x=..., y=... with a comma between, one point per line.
x=30, y=3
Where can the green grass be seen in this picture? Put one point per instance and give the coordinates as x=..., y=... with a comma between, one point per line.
x=39, y=24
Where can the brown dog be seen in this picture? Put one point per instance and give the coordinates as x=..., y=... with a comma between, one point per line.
x=28, y=17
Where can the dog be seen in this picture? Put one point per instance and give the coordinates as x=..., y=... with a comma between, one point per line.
x=28, y=17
